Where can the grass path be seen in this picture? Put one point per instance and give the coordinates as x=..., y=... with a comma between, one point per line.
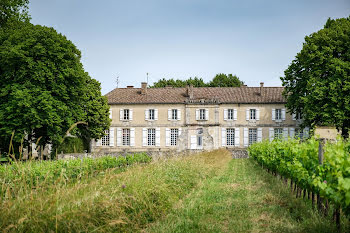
x=244, y=198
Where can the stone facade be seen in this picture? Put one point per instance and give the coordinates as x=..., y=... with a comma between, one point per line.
x=191, y=120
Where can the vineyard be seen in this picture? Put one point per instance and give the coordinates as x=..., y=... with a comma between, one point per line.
x=299, y=162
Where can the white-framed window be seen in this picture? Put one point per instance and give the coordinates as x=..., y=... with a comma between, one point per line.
x=174, y=114
x=252, y=136
x=230, y=114
x=126, y=114
x=202, y=114
x=278, y=114
x=252, y=114
x=151, y=137
x=199, y=137
x=298, y=116
x=278, y=133
x=299, y=133
x=174, y=135
x=230, y=136
x=126, y=137
x=151, y=115
x=105, y=139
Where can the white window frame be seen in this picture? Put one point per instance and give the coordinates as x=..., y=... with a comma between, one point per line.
x=230, y=136
x=105, y=140
x=174, y=113
x=151, y=114
x=151, y=137
x=252, y=114
x=252, y=136
x=126, y=136
x=202, y=116
x=174, y=136
x=278, y=114
x=126, y=114
x=278, y=133
x=230, y=114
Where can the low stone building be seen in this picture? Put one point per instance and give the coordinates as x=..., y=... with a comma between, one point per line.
x=205, y=118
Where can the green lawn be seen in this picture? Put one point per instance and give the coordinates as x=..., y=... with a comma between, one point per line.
x=243, y=198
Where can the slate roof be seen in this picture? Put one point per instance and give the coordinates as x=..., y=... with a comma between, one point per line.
x=169, y=95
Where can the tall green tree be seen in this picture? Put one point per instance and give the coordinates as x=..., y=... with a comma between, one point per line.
x=220, y=80
x=13, y=11
x=223, y=80
x=44, y=88
x=317, y=82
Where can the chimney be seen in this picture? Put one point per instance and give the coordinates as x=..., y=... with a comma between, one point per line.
x=190, y=91
x=261, y=88
x=143, y=88
x=129, y=86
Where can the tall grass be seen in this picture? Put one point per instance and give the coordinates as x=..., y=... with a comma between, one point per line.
x=124, y=202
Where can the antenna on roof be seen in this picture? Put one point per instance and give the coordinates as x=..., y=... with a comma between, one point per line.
x=117, y=81
x=147, y=78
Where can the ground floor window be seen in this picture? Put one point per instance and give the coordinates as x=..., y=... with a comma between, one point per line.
x=126, y=137
x=299, y=133
x=252, y=136
x=278, y=133
x=174, y=135
x=230, y=137
x=105, y=138
x=151, y=137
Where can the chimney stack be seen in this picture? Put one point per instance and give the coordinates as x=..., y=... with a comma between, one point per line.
x=190, y=91
x=143, y=88
x=261, y=88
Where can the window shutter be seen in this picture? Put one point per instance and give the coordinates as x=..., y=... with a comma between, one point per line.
x=169, y=114
x=132, y=137
x=247, y=114
x=206, y=114
x=146, y=114
x=157, y=136
x=110, y=114
x=306, y=132
x=119, y=136
x=130, y=114
x=235, y=114
x=283, y=114
x=259, y=134
x=99, y=142
x=179, y=114
x=193, y=142
x=237, y=137
x=111, y=137
x=245, y=138
x=225, y=114
x=180, y=131
x=223, y=137
x=167, y=137
x=197, y=114
x=121, y=114
x=273, y=114
x=294, y=116
x=285, y=133
x=271, y=134
x=156, y=114
x=257, y=114
x=291, y=132
x=144, y=137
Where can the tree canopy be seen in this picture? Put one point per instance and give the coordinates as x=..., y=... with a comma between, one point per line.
x=220, y=80
x=317, y=82
x=12, y=11
x=44, y=88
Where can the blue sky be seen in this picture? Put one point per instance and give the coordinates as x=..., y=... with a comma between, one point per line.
x=254, y=39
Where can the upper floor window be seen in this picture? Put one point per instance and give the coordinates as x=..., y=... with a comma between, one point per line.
x=278, y=114
x=105, y=138
x=230, y=114
x=151, y=114
x=298, y=116
x=252, y=114
x=202, y=114
x=126, y=114
x=253, y=135
x=174, y=114
x=230, y=137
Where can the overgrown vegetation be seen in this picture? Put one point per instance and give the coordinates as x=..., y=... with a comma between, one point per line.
x=300, y=163
x=110, y=202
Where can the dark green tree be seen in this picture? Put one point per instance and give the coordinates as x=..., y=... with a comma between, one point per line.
x=223, y=80
x=13, y=11
x=317, y=82
x=44, y=88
